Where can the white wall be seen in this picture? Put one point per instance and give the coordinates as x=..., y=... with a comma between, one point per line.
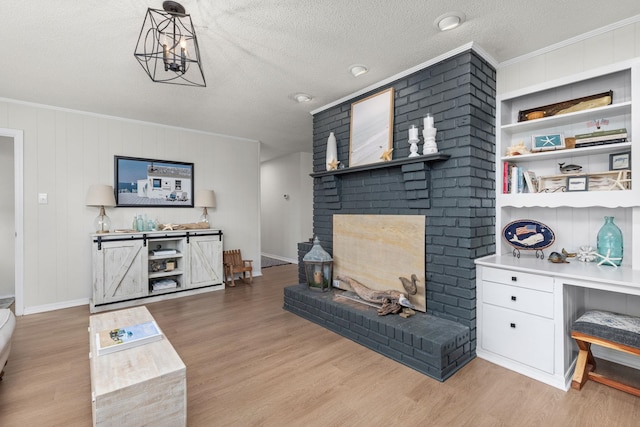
x=286, y=221
x=7, y=224
x=583, y=53
x=67, y=151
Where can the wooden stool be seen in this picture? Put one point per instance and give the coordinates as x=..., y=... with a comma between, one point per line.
x=612, y=330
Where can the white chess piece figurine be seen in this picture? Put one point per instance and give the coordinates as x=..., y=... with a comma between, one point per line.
x=429, y=134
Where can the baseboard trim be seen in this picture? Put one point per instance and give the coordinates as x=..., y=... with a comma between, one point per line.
x=56, y=306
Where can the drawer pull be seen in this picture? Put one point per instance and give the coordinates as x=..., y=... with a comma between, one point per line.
x=513, y=325
x=514, y=279
x=513, y=298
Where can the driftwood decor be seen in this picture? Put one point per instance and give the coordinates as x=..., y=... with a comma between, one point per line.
x=376, y=250
x=564, y=107
x=388, y=302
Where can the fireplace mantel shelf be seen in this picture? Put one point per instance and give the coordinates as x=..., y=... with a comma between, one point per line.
x=428, y=158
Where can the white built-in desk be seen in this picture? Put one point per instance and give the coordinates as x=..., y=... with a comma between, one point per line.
x=144, y=385
x=526, y=306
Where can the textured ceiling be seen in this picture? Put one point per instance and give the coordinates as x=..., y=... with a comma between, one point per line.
x=256, y=54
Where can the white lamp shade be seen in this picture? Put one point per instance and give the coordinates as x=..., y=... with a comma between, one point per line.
x=205, y=199
x=100, y=195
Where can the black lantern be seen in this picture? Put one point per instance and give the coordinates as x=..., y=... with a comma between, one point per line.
x=318, y=265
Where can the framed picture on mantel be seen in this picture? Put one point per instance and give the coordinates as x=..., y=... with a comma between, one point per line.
x=153, y=183
x=371, y=129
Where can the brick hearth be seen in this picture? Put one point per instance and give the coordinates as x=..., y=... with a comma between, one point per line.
x=431, y=345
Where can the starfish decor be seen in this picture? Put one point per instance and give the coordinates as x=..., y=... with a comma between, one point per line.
x=386, y=155
x=333, y=164
x=607, y=259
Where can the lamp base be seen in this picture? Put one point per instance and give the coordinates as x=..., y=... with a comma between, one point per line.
x=204, y=217
x=102, y=224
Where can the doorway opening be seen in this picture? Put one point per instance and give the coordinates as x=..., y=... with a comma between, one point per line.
x=12, y=158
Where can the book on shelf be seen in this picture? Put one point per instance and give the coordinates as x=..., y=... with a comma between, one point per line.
x=118, y=339
x=515, y=179
x=520, y=180
x=602, y=133
x=512, y=179
x=603, y=138
x=157, y=252
x=513, y=188
x=505, y=177
x=589, y=143
x=160, y=285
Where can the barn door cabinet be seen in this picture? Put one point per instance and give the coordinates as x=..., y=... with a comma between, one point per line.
x=136, y=268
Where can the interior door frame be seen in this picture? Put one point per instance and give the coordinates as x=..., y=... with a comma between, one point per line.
x=18, y=165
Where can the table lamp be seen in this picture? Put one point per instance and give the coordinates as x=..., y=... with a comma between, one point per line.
x=205, y=199
x=101, y=195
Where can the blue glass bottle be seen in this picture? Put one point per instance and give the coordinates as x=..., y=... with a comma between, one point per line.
x=610, y=242
x=140, y=224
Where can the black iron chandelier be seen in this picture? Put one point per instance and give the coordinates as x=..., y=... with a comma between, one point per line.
x=167, y=47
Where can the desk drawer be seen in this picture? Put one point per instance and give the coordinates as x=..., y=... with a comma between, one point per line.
x=517, y=298
x=524, y=338
x=517, y=278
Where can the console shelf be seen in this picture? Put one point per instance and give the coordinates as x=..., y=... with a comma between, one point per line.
x=125, y=269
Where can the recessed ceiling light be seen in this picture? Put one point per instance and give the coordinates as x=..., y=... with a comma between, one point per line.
x=449, y=21
x=301, y=97
x=358, y=70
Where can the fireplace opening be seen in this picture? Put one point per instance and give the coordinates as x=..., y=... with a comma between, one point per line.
x=378, y=250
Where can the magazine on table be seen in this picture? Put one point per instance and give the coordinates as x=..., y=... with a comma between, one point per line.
x=117, y=339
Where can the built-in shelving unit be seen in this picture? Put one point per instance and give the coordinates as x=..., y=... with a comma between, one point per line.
x=526, y=305
x=575, y=216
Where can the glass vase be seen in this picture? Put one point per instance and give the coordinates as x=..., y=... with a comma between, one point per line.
x=610, y=242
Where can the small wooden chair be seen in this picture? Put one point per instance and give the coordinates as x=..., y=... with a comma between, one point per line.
x=233, y=263
x=611, y=330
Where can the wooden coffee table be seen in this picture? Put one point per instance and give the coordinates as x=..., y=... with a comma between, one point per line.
x=144, y=385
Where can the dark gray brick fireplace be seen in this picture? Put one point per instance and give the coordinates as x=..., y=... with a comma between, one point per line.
x=455, y=195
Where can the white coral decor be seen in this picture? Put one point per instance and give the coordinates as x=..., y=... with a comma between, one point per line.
x=586, y=254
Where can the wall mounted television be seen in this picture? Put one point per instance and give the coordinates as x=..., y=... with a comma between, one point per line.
x=153, y=183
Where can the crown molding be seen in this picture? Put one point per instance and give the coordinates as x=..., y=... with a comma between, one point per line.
x=122, y=119
x=464, y=48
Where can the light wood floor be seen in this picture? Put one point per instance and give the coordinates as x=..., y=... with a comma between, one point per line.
x=251, y=363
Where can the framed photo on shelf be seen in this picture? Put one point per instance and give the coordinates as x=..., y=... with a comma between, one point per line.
x=371, y=128
x=620, y=161
x=532, y=182
x=578, y=183
x=547, y=142
x=153, y=183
